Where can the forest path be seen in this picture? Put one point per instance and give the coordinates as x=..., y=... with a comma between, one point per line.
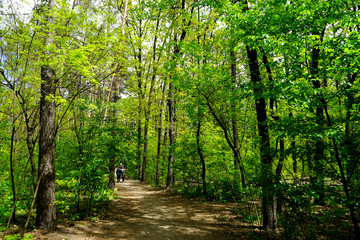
x=144, y=212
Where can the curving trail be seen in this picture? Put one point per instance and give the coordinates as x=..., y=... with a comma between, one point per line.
x=143, y=212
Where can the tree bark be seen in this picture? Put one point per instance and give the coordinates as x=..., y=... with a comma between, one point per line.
x=202, y=159
x=345, y=180
x=317, y=177
x=172, y=136
x=171, y=103
x=115, y=91
x=159, y=131
x=144, y=163
x=12, y=170
x=45, y=202
x=268, y=199
x=235, y=133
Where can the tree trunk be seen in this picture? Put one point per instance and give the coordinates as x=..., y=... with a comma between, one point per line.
x=159, y=130
x=139, y=127
x=12, y=170
x=172, y=136
x=171, y=105
x=30, y=139
x=344, y=180
x=293, y=154
x=45, y=202
x=202, y=159
x=139, y=137
x=278, y=171
x=32, y=164
x=294, y=158
x=115, y=91
x=157, y=175
x=318, y=174
x=144, y=163
x=148, y=110
x=236, y=147
x=268, y=199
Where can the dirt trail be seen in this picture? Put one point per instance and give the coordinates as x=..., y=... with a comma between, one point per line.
x=143, y=212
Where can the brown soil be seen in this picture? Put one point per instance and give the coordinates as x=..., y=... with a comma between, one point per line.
x=143, y=212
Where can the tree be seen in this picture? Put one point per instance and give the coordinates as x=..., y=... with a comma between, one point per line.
x=45, y=203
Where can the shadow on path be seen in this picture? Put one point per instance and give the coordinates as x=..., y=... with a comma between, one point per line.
x=143, y=212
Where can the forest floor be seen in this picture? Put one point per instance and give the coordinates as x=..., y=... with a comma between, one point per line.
x=144, y=212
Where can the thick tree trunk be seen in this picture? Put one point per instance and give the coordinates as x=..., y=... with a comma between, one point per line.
x=45, y=204
x=268, y=199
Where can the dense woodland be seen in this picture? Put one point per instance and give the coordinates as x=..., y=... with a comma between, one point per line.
x=255, y=102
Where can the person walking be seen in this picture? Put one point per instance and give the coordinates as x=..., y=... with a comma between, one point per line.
x=119, y=173
x=122, y=172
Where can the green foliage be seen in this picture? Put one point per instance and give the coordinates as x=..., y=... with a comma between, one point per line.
x=18, y=237
x=107, y=81
x=224, y=190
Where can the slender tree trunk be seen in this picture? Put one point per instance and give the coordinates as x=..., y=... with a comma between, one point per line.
x=115, y=91
x=318, y=174
x=172, y=136
x=278, y=171
x=350, y=203
x=202, y=159
x=33, y=166
x=12, y=170
x=139, y=127
x=159, y=130
x=31, y=141
x=158, y=154
x=281, y=140
x=171, y=99
x=139, y=145
x=236, y=150
x=144, y=163
x=226, y=131
x=148, y=110
x=112, y=161
x=294, y=155
x=139, y=69
x=294, y=158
